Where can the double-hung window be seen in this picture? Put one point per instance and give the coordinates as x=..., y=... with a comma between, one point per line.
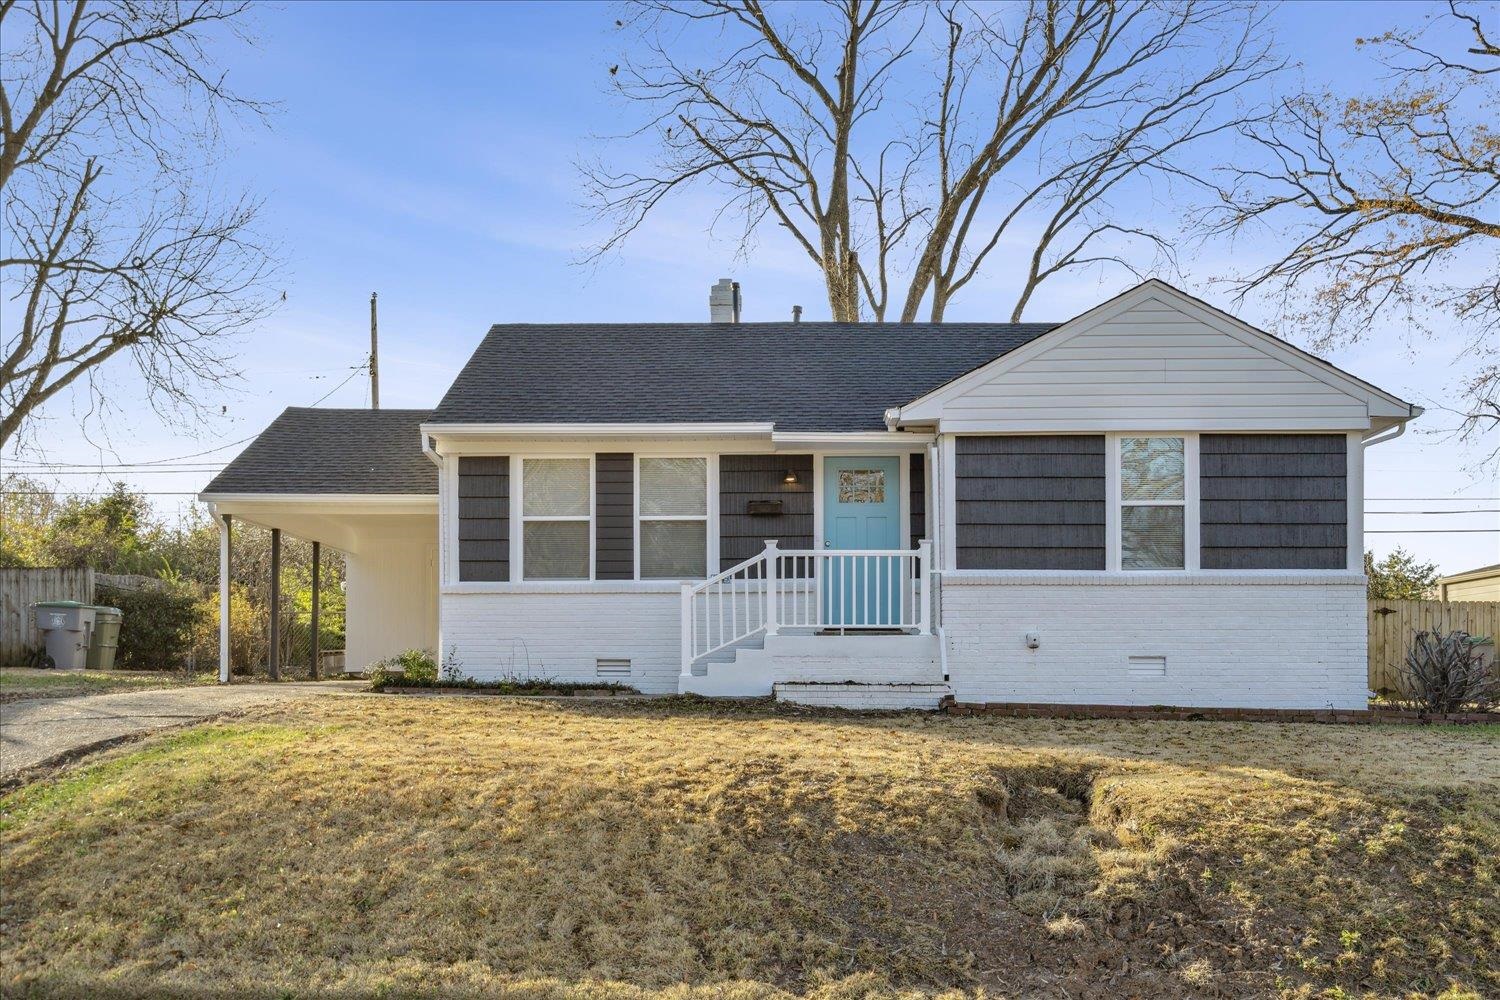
x=1153, y=502
x=556, y=518
x=673, y=512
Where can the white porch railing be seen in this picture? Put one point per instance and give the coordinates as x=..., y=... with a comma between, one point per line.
x=807, y=589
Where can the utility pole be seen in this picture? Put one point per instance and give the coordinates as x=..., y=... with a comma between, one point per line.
x=374, y=358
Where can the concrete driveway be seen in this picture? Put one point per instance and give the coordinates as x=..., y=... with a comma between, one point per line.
x=40, y=730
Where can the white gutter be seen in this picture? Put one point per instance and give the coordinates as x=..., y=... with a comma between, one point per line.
x=836, y=438
x=597, y=430
x=1381, y=437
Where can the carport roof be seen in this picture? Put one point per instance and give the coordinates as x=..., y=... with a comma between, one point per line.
x=333, y=451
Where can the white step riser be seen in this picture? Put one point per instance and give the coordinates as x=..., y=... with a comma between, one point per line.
x=870, y=697
x=899, y=659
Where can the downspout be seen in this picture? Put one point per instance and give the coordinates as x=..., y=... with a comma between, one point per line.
x=429, y=448
x=935, y=529
x=1381, y=437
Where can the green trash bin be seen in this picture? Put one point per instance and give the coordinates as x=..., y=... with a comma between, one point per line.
x=106, y=638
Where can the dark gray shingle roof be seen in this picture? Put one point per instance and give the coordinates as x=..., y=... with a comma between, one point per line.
x=333, y=451
x=802, y=376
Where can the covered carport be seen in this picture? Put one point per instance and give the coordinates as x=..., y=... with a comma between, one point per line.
x=356, y=481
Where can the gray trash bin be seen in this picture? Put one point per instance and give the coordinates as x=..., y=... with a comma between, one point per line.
x=68, y=627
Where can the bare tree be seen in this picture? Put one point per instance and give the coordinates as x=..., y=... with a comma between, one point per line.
x=108, y=111
x=901, y=143
x=1392, y=200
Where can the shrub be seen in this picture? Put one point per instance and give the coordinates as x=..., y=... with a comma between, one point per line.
x=414, y=666
x=157, y=630
x=1445, y=672
x=382, y=680
x=248, y=625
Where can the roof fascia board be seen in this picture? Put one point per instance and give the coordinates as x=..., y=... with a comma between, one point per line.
x=1472, y=574
x=836, y=439
x=325, y=499
x=598, y=430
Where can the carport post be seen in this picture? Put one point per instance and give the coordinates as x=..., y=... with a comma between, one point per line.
x=225, y=543
x=317, y=561
x=275, y=660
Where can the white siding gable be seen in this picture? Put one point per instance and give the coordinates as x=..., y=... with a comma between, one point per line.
x=1154, y=358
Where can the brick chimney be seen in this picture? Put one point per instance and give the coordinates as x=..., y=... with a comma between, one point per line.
x=724, y=301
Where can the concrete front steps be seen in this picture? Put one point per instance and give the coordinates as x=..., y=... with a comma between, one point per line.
x=855, y=659
x=886, y=697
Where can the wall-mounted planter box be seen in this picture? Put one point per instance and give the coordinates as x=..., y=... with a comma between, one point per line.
x=763, y=508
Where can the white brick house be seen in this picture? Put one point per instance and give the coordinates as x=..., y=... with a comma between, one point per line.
x=1149, y=504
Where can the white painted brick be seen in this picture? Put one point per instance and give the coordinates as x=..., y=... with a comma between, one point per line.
x=559, y=636
x=1238, y=643
x=1268, y=641
x=870, y=697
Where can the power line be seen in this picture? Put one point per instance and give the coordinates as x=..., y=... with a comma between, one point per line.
x=345, y=382
x=144, y=493
x=1429, y=499
x=108, y=467
x=163, y=461
x=1433, y=531
x=1477, y=510
x=125, y=472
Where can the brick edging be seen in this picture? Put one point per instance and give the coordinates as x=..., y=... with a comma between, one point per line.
x=1041, y=710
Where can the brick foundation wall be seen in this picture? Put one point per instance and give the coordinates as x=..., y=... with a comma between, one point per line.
x=559, y=634
x=1230, y=640
x=1143, y=713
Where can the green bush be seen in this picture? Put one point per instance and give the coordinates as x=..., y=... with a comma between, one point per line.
x=416, y=666
x=157, y=631
x=504, y=685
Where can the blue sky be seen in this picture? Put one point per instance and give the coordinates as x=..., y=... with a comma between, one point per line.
x=427, y=152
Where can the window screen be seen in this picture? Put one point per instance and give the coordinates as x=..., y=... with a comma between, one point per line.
x=674, y=487
x=555, y=518
x=674, y=518
x=556, y=487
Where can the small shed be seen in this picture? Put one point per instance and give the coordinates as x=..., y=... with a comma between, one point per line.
x=1482, y=584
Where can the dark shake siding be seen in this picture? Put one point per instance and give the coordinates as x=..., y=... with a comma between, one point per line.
x=1031, y=502
x=484, y=519
x=614, y=516
x=743, y=478
x=917, y=493
x=1274, y=501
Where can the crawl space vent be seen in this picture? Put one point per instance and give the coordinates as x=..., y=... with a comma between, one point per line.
x=1148, y=666
x=612, y=668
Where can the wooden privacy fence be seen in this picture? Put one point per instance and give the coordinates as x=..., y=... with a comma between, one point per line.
x=20, y=589
x=1392, y=624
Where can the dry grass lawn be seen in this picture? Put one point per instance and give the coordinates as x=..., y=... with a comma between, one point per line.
x=453, y=847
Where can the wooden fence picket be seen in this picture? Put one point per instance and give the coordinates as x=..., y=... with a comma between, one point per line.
x=1392, y=624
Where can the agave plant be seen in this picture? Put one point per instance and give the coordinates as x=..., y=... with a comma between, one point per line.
x=1446, y=671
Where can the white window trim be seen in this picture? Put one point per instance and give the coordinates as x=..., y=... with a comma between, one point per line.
x=518, y=553
x=710, y=532
x=1191, y=508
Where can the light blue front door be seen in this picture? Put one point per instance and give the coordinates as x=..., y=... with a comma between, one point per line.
x=862, y=510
